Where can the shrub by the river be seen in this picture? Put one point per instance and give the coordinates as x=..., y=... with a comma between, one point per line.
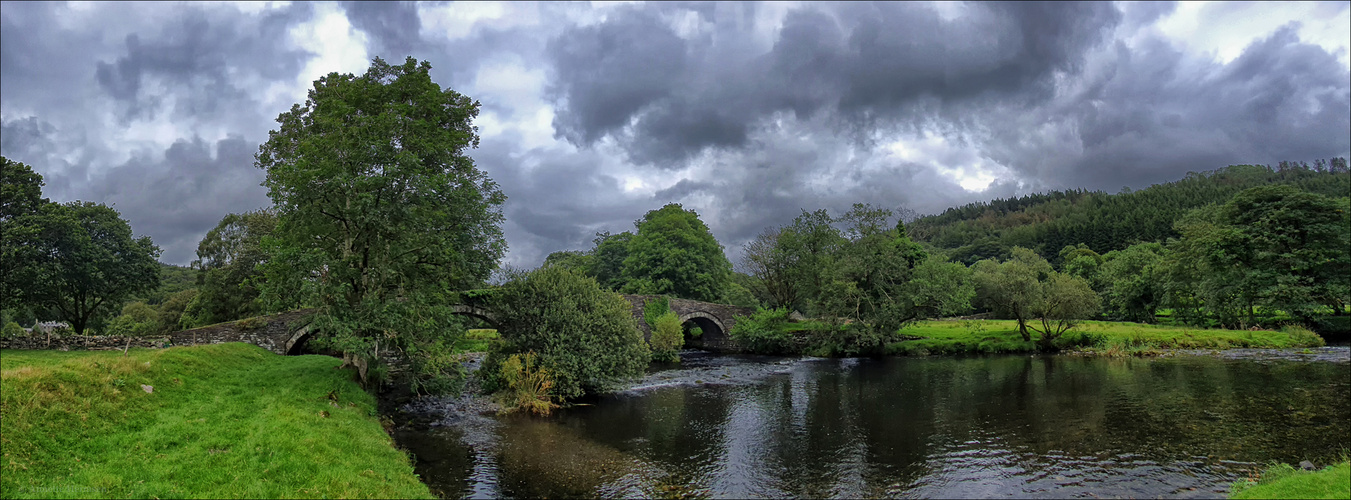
x=525, y=385
x=667, y=338
x=654, y=308
x=584, y=335
x=218, y=421
x=1303, y=336
x=764, y=332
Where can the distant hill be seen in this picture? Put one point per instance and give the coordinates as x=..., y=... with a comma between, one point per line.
x=1047, y=222
x=173, y=279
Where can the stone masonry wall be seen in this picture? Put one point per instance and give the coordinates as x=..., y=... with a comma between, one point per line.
x=273, y=334
x=713, y=341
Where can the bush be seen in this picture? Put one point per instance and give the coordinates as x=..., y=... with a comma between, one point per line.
x=764, y=332
x=853, y=339
x=526, y=385
x=1302, y=337
x=584, y=335
x=667, y=338
x=11, y=329
x=655, y=308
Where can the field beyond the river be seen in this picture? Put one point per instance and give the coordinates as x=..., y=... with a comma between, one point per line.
x=220, y=421
x=1100, y=337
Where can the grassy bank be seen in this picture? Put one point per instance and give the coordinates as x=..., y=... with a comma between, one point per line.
x=993, y=336
x=476, y=340
x=229, y=420
x=1284, y=481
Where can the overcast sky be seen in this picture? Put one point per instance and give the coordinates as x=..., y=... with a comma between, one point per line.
x=747, y=113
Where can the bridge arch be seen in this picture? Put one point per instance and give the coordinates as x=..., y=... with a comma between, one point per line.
x=296, y=343
x=475, y=312
x=714, y=331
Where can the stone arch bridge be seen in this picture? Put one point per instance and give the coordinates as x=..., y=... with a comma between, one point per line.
x=714, y=320
x=286, y=333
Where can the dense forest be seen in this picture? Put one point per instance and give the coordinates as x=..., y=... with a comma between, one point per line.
x=1047, y=222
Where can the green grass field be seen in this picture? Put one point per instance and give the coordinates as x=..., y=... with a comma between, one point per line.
x=476, y=340
x=1284, y=481
x=1111, y=338
x=221, y=421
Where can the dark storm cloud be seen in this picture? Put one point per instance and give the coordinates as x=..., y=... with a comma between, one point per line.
x=66, y=69
x=863, y=62
x=557, y=200
x=177, y=196
x=393, y=27
x=1153, y=113
x=202, y=57
x=1040, y=89
x=749, y=112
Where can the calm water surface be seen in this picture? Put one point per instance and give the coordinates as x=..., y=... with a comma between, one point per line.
x=1013, y=426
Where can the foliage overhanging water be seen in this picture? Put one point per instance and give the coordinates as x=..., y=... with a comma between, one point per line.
x=1008, y=426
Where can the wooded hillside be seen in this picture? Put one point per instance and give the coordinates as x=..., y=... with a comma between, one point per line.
x=1047, y=222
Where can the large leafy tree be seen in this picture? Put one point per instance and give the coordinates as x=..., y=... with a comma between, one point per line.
x=674, y=253
x=607, y=264
x=1270, y=246
x=771, y=266
x=227, y=260
x=88, y=262
x=1011, y=288
x=1025, y=288
x=20, y=202
x=381, y=213
x=811, y=244
x=1293, y=245
x=1134, y=281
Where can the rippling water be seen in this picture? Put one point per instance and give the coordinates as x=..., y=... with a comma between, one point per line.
x=1011, y=426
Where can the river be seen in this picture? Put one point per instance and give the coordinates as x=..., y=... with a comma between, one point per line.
x=968, y=427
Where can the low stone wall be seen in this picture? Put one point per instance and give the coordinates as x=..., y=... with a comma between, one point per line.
x=276, y=333
x=74, y=342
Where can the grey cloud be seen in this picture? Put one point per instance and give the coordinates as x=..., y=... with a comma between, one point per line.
x=869, y=63
x=202, y=55
x=177, y=198
x=555, y=199
x=611, y=71
x=393, y=26
x=1152, y=114
x=196, y=65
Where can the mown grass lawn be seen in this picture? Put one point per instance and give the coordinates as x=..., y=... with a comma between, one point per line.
x=991, y=336
x=221, y=421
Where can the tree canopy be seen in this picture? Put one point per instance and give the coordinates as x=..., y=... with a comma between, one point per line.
x=381, y=212
x=88, y=262
x=227, y=261
x=674, y=253
x=20, y=202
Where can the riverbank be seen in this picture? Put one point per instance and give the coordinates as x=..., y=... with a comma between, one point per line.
x=1284, y=481
x=1093, y=337
x=227, y=420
